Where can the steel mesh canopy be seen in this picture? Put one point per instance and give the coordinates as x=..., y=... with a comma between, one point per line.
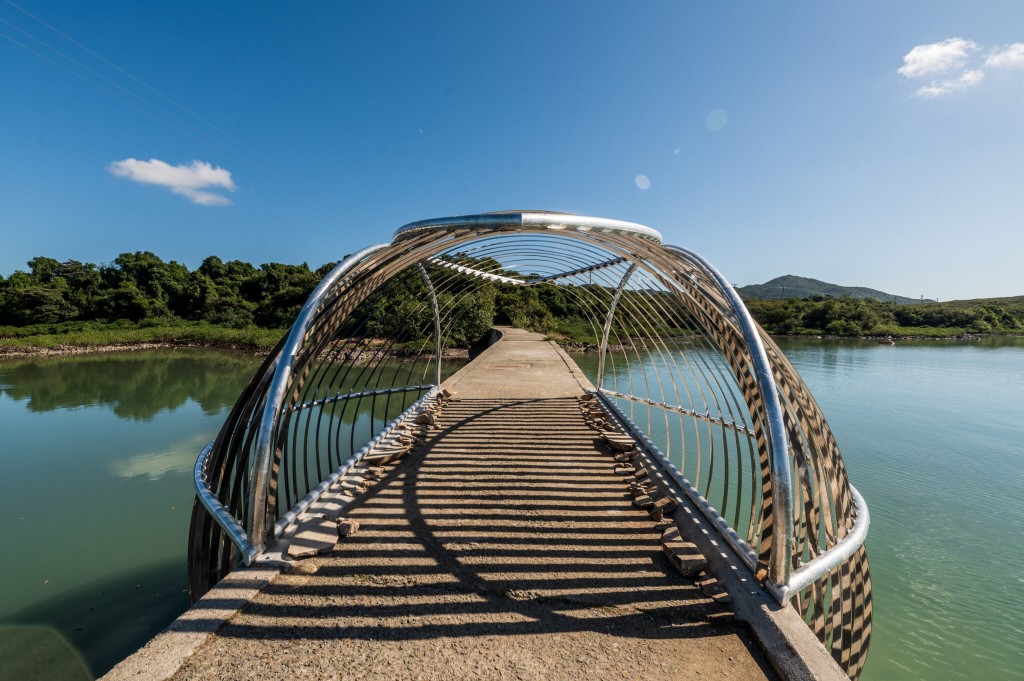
x=673, y=348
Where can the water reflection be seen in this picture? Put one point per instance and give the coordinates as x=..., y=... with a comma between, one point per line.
x=114, y=437
x=177, y=457
x=40, y=652
x=108, y=442
x=135, y=385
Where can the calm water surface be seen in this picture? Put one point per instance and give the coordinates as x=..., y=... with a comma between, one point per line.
x=932, y=433
x=95, y=496
x=98, y=450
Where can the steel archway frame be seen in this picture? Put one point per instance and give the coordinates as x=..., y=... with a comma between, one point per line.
x=803, y=529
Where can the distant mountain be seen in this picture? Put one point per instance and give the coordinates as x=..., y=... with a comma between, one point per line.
x=792, y=286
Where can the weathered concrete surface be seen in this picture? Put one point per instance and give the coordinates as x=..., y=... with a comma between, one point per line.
x=164, y=655
x=504, y=549
x=521, y=365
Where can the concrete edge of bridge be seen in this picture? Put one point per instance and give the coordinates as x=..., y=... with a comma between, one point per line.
x=165, y=653
x=793, y=650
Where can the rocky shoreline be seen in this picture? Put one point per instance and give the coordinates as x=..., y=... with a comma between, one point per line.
x=365, y=355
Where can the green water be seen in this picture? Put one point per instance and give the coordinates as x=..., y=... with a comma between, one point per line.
x=933, y=436
x=932, y=433
x=97, y=453
x=96, y=491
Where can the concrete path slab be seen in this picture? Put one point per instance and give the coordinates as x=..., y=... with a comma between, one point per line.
x=505, y=548
x=521, y=365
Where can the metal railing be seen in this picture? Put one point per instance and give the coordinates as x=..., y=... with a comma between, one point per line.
x=676, y=356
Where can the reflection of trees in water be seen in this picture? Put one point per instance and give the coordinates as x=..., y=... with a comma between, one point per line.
x=135, y=385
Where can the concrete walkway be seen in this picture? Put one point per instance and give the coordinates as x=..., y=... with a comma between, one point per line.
x=505, y=548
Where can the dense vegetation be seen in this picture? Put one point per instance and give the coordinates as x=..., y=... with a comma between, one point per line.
x=139, y=298
x=821, y=315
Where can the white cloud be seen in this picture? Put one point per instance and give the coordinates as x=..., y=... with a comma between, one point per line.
x=1006, y=57
x=936, y=59
x=191, y=181
x=956, y=64
x=939, y=88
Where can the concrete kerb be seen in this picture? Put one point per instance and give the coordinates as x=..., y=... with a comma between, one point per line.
x=793, y=650
x=574, y=368
x=163, y=655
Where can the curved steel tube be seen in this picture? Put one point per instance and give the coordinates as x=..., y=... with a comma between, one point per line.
x=437, y=321
x=260, y=476
x=608, y=323
x=227, y=522
x=825, y=563
x=716, y=394
x=778, y=440
x=527, y=220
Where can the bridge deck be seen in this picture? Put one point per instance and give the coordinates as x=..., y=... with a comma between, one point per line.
x=504, y=549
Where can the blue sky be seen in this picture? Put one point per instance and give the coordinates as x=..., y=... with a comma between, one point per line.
x=804, y=139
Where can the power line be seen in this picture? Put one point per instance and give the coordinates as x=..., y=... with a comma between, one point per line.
x=132, y=77
x=99, y=87
x=117, y=85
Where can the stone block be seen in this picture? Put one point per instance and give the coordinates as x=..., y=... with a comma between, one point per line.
x=683, y=555
x=347, y=527
x=619, y=443
x=643, y=501
x=313, y=536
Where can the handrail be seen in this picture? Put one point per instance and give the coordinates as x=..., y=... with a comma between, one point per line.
x=829, y=560
x=223, y=517
x=288, y=518
x=704, y=416
x=778, y=440
x=365, y=393
x=260, y=476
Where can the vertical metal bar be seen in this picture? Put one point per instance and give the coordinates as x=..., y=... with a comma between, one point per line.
x=266, y=437
x=437, y=322
x=608, y=324
x=778, y=440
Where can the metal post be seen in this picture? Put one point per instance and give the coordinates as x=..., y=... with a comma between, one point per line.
x=437, y=322
x=265, y=439
x=778, y=441
x=608, y=324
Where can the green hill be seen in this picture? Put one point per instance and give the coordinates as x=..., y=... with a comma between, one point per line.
x=792, y=286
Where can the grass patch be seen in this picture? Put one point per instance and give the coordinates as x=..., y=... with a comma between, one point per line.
x=15, y=339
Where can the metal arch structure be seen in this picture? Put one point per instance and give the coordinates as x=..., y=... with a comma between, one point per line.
x=680, y=363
